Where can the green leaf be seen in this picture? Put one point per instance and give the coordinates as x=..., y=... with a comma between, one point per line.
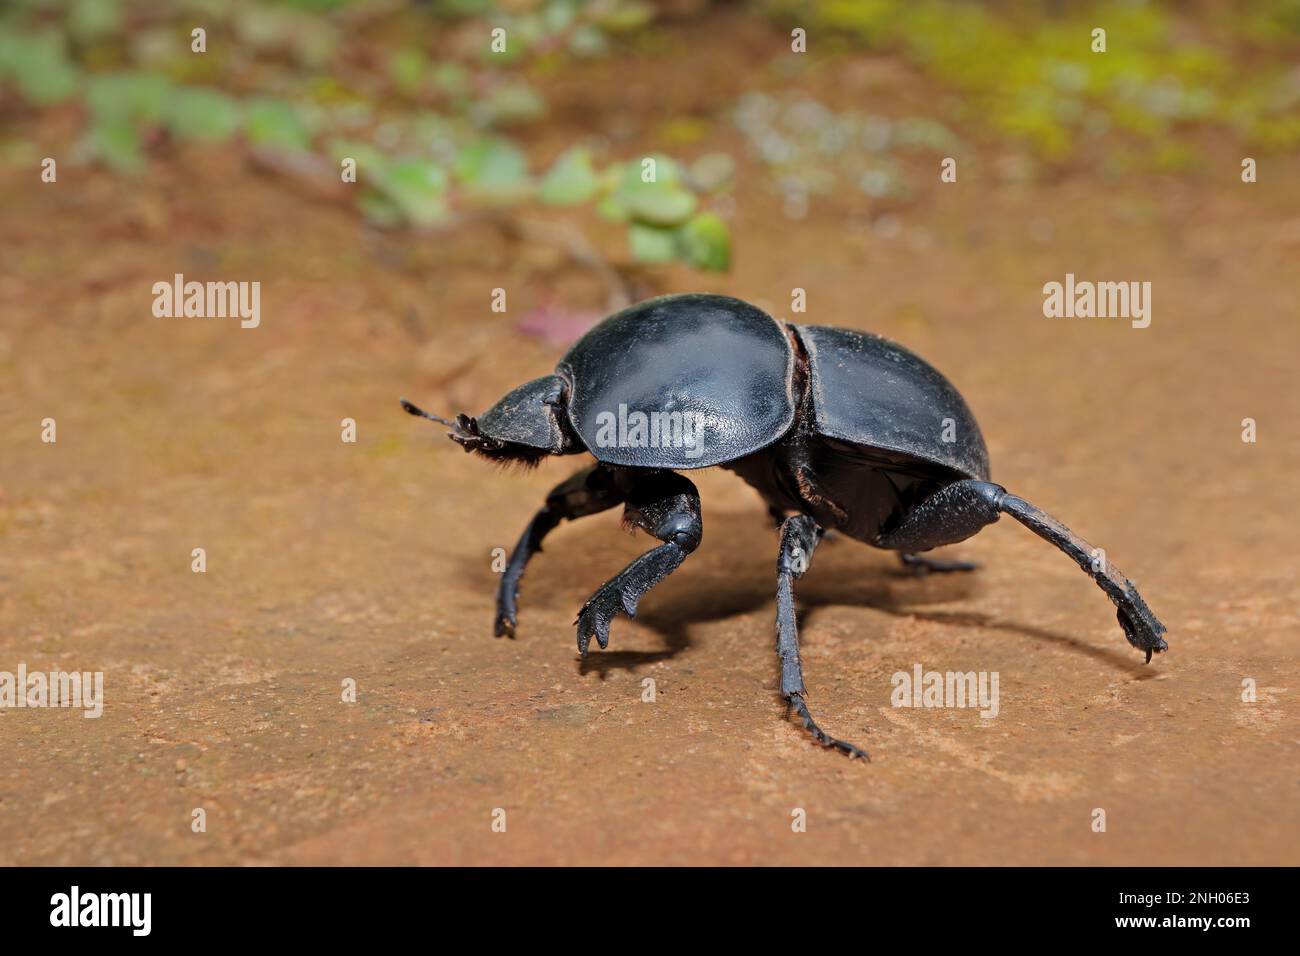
x=571, y=180
x=666, y=206
x=417, y=188
x=611, y=209
x=705, y=243
x=381, y=211
x=40, y=67
x=117, y=144
x=277, y=125
x=662, y=202
x=201, y=114
x=137, y=97
x=651, y=244
x=512, y=104
x=370, y=161
x=493, y=168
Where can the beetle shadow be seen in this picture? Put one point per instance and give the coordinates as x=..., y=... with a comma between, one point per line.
x=676, y=606
x=748, y=584
x=737, y=576
x=974, y=619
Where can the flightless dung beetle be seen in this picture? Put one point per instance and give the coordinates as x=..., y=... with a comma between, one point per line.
x=835, y=429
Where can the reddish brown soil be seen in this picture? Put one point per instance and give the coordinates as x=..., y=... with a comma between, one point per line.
x=371, y=560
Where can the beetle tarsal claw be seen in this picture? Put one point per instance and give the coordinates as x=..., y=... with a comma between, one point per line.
x=504, y=625
x=598, y=614
x=796, y=701
x=1142, y=628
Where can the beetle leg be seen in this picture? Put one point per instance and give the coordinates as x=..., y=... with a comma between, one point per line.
x=951, y=514
x=586, y=493
x=1142, y=628
x=667, y=506
x=799, y=538
x=957, y=511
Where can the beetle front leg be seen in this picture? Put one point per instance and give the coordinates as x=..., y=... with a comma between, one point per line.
x=957, y=511
x=588, y=492
x=799, y=538
x=667, y=506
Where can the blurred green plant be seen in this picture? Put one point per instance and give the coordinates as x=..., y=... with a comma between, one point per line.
x=1030, y=73
x=296, y=80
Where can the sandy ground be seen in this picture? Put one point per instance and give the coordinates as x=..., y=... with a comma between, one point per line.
x=372, y=561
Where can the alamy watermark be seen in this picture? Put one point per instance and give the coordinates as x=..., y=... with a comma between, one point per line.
x=1101, y=300
x=209, y=300
x=130, y=910
x=81, y=689
x=636, y=429
x=922, y=688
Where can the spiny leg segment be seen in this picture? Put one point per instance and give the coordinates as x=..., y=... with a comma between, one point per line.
x=799, y=538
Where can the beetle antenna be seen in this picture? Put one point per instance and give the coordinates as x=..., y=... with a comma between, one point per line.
x=417, y=410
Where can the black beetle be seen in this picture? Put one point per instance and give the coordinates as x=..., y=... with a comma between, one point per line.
x=836, y=429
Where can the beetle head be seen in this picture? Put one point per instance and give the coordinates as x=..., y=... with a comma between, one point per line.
x=524, y=427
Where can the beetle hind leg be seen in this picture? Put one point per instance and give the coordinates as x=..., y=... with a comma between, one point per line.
x=960, y=509
x=799, y=538
x=1141, y=627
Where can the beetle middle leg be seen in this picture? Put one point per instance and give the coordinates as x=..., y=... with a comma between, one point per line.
x=667, y=506
x=800, y=535
x=588, y=492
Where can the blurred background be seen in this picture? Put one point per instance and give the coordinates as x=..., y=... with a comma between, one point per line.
x=501, y=146
x=537, y=116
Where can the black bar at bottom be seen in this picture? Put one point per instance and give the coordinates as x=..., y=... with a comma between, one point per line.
x=329, y=907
